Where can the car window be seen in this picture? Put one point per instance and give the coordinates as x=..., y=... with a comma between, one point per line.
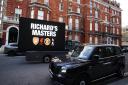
x=124, y=48
x=109, y=51
x=117, y=50
x=86, y=52
x=98, y=51
x=77, y=51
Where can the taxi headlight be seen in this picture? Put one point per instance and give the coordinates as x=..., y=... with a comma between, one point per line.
x=63, y=69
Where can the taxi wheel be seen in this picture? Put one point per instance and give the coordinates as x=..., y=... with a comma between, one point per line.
x=81, y=81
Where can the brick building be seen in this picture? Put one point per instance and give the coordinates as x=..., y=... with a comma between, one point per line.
x=87, y=21
x=2, y=12
x=103, y=22
x=125, y=35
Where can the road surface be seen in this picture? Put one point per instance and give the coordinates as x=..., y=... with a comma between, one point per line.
x=16, y=71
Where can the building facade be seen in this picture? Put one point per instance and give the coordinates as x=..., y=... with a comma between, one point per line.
x=87, y=21
x=125, y=36
x=103, y=22
x=2, y=12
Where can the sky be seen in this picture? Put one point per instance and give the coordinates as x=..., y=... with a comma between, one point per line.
x=124, y=7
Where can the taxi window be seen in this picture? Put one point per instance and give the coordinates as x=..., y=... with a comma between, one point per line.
x=99, y=51
x=117, y=50
x=109, y=51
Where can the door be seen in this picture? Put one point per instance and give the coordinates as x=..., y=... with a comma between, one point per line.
x=97, y=68
x=108, y=60
x=13, y=35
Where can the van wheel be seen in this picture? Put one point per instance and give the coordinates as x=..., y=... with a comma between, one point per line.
x=11, y=53
x=46, y=59
x=121, y=72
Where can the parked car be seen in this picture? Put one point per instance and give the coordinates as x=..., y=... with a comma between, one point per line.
x=124, y=48
x=90, y=63
x=11, y=49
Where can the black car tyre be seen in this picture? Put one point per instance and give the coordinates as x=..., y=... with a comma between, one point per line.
x=121, y=72
x=81, y=81
x=46, y=59
x=11, y=53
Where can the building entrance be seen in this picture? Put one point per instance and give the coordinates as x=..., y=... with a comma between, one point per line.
x=13, y=35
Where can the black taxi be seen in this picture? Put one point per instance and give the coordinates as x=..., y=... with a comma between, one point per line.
x=88, y=64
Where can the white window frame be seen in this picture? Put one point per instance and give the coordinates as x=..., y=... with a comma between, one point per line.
x=32, y=13
x=106, y=18
x=112, y=12
x=69, y=9
x=61, y=8
x=40, y=15
x=1, y=9
x=61, y=19
x=0, y=22
x=48, y=16
x=117, y=20
x=90, y=26
x=115, y=12
x=90, y=39
x=33, y=1
x=0, y=15
x=94, y=4
x=78, y=1
x=96, y=26
x=77, y=23
x=96, y=40
x=2, y=3
x=114, y=20
x=91, y=4
x=90, y=12
x=117, y=31
x=96, y=14
x=106, y=9
x=113, y=30
x=106, y=29
x=76, y=37
x=46, y=2
x=18, y=11
x=70, y=23
x=78, y=9
x=70, y=37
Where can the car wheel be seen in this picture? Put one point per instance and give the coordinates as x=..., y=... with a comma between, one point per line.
x=81, y=81
x=121, y=72
x=46, y=59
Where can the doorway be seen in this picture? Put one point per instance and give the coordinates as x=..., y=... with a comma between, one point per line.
x=13, y=35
